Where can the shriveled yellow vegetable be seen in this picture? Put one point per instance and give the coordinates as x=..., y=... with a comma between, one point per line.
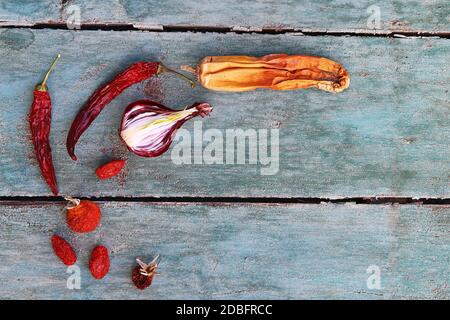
x=275, y=71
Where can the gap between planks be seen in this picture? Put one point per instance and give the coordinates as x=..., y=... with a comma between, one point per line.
x=235, y=29
x=4, y=200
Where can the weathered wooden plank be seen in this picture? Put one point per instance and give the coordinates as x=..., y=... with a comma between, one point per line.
x=21, y=12
x=388, y=135
x=306, y=15
x=235, y=251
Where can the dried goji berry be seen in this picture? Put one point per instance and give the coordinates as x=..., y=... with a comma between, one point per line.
x=83, y=215
x=63, y=250
x=99, y=262
x=143, y=273
x=110, y=169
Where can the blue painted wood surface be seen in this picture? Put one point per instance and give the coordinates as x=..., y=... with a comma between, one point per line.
x=231, y=251
x=304, y=15
x=387, y=135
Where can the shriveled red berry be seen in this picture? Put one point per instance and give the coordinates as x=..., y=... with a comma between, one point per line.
x=99, y=262
x=140, y=281
x=142, y=275
x=63, y=250
x=83, y=216
x=110, y=169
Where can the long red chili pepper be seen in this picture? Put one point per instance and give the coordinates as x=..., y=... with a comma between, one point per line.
x=40, y=119
x=135, y=73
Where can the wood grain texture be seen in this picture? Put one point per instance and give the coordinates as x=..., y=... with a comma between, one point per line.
x=234, y=251
x=23, y=12
x=315, y=15
x=388, y=135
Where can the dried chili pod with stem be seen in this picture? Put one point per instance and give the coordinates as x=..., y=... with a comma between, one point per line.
x=40, y=121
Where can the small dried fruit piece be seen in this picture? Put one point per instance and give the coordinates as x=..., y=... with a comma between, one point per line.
x=82, y=215
x=142, y=275
x=63, y=250
x=99, y=262
x=110, y=169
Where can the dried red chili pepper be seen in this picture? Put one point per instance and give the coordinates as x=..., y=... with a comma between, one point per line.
x=142, y=275
x=82, y=215
x=63, y=250
x=135, y=73
x=110, y=169
x=40, y=119
x=99, y=262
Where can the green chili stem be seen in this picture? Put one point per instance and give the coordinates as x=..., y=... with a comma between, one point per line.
x=162, y=68
x=50, y=70
x=188, y=69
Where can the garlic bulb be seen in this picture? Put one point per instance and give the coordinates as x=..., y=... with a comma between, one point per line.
x=148, y=128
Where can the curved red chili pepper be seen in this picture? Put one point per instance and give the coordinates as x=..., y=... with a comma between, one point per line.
x=135, y=73
x=40, y=119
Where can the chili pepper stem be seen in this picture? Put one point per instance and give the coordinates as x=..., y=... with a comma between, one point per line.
x=43, y=85
x=188, y=69
x=73, y=202
x=162, y=68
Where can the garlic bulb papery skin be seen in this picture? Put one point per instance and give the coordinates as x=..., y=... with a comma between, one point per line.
x=148, y=128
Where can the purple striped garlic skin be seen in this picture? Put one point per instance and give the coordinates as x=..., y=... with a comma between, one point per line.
x=148, y=128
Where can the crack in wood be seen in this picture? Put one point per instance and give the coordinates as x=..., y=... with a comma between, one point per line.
x=5, y=200
x=232, y=29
